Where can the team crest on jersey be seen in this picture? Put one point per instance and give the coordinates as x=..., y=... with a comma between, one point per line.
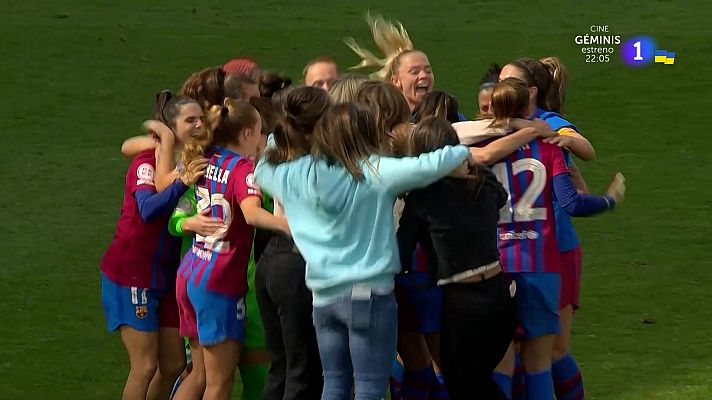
x=141, y=312
x=146, y=174
x=251, y=187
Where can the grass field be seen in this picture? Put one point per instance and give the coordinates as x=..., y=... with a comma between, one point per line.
x=76, y=78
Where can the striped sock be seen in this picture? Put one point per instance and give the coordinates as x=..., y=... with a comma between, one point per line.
x=438, y=391
x=396, y=380
x=518, y=380
x=539, y=386
x=504, y=382
x=568, y=383
x=416, y=384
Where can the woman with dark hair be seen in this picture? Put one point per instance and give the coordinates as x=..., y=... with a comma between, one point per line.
x=139, y=267
x=344, y=229
x=546, y=80
x=484, y=90
x=536, y=177
x=284, y=300
x=437, y=104
x=455, y=220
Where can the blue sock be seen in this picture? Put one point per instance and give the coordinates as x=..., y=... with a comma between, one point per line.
x=504, y=382
x=416, y=384
x=539, y=386
x=518, y=384
x=438, y=391
x=568, y=383
x=396, y=380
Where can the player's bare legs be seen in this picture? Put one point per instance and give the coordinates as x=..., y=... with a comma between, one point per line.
x=536, y=353
x=193, y=386
x=506, y=366
x=562, y=341
x=142, y=348
x=220, y=364
x=433, y=342
x=413, y=350
x=171, y=362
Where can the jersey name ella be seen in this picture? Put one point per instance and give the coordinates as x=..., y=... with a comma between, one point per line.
x=217, y=174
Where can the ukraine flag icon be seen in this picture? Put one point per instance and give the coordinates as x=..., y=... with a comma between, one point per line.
x=665, y=57
x=670, y=58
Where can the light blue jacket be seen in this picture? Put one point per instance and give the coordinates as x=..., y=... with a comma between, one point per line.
x=344, y=228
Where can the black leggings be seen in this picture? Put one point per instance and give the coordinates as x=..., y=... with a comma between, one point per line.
x=286, y=309
x=478, y=323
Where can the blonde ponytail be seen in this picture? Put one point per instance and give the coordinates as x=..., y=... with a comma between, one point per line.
x=556, y=92
x=391, y=38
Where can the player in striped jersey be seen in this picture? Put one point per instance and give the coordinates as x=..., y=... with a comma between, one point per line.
x=139, y=267
x=212, y=280
x=533, y=175
x=548, y=78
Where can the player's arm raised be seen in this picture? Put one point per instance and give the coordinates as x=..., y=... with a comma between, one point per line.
x=166, y=172
x=134, y=145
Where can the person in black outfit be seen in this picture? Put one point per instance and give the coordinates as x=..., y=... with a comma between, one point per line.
x=285, y=301
x=455, y=221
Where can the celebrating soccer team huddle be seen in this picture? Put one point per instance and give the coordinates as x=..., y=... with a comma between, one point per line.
x=355, y=236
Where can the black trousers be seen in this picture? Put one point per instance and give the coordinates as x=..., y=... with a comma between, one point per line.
x=286, y=309
x=478, y=323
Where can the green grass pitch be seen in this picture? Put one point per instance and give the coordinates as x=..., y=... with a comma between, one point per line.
x=77, y=78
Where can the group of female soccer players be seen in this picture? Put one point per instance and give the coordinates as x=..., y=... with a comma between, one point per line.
x=352, y=232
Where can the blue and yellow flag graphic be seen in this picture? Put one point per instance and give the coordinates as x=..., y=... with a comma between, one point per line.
x=664, y=57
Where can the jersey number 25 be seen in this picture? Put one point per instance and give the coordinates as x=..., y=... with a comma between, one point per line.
x=215, y=241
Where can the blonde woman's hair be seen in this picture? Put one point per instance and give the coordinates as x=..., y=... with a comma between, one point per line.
x=223, y=123
x=557, y=91
x=393, y=41
x=346, y=87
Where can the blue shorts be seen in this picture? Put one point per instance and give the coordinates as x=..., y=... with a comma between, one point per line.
x=130, y=305
x=420, y=298
x=538, y=302
x=212, y=317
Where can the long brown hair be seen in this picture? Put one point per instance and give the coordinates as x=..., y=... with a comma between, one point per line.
x=224, y=124
x=548, y=75
x=400, y=140
x=346, y=135
x=270, y=116
x=434, y=133
x=207, y=87
x=510, y=99
x=302, y=109
x=389, y=108
x=437, y=104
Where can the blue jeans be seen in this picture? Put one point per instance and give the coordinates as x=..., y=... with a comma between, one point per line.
x=357, y=352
